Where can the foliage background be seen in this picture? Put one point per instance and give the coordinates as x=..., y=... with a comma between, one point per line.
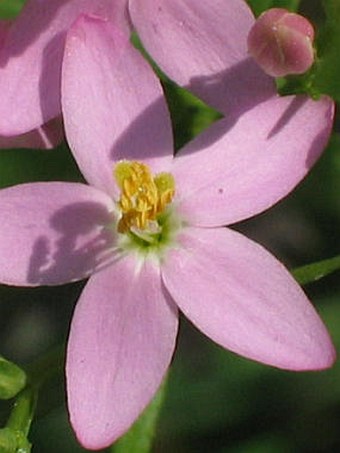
x=215, y=401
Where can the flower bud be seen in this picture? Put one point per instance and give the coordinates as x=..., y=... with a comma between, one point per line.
x=281, y=42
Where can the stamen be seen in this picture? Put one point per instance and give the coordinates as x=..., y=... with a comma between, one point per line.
x=143, y=197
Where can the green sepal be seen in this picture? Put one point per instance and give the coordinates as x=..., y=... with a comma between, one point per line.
x=300, y=84
x=12, y=379
x=13, y=441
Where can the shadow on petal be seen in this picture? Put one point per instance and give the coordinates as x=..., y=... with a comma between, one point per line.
x=139, y=140
x=85, y=243
x=291, y=110
x=28, y=34
x=48, y=136
x=235, y=90
x=50, y=77
x=320, y=141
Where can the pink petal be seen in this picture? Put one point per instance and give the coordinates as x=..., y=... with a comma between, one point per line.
x=31, y=56
x=202, y=45
x=121, y=343
x=245, y=300
x=116, y=109
x=45, y=137
x=53, y=233
x=234, y=171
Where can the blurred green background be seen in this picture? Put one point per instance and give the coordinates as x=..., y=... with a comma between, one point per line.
x=215, y=401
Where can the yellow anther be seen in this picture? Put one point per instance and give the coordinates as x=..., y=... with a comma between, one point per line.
x=143, y=197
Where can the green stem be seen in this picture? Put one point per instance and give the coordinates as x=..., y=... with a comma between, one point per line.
x=13, y=438
x=313, y=272
x=22, y=413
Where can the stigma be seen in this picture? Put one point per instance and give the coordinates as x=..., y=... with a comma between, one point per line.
x=144, y=197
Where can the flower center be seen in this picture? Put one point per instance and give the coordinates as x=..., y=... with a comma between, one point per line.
x=143, y=199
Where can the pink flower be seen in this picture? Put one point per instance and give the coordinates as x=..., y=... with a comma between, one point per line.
x=148, y=230
x=200, y=46
x=31, y=56
x=47, y=136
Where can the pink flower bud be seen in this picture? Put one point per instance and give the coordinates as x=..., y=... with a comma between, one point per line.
x=281, y=42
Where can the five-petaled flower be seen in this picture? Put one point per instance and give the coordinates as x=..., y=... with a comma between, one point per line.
x=149, y=229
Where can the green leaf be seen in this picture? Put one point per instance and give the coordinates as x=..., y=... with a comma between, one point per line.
x=327, y=72
x=28, y=165
x=139, y=438
x=292, y=5
x=258, y=6
x=10, y=8
x=12, y=379
x=312, y=272
x=189, y=115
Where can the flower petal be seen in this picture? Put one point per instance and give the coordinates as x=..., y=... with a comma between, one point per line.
x=236, y=170
x=202, y=45
x=245, y=300
x=31, y=56
x=45, y=137
x=118, y=102
x=121, y=343
x=53, y=233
